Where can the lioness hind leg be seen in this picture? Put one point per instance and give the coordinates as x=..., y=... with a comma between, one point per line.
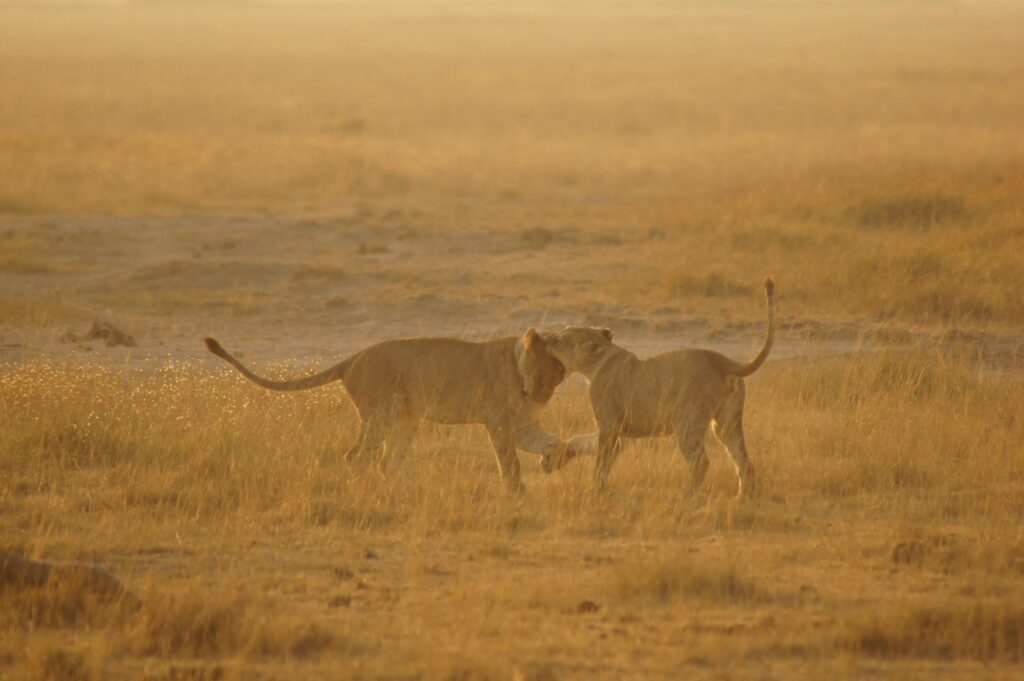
x=690, y=438
x=728, y=428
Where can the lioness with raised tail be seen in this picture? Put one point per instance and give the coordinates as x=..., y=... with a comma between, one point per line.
x=677, y=392
x=502, y=384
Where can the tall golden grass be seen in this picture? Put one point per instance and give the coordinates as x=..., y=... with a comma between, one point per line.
x=888, y=529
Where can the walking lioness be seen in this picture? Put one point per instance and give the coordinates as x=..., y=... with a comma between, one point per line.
x=678, y=393
x=502, y=384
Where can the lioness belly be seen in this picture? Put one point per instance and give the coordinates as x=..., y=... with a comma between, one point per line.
x=645, y=425
x=468, y=404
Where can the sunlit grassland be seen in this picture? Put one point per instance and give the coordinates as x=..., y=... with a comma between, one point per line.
x=254, y=170
x=888, y=528
x=868, y=158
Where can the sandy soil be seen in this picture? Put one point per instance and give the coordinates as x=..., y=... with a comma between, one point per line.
x=313, y=289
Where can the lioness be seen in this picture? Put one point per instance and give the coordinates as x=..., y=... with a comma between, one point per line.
x=678, y=393
x=502, y=384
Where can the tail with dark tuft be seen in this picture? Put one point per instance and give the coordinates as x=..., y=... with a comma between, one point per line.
x=213, y=346
x=335, y=373
x=742, y=370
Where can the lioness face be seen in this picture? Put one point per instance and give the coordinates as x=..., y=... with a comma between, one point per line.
x=540, y=371
x=579, y=348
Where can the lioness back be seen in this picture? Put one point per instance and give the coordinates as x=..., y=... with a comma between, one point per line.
x=654, y=390
x=442, y=379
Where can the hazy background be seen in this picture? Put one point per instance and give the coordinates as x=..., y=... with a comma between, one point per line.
x=867, y=156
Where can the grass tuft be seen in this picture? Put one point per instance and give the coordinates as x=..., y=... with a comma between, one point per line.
x=911, y=212
x=688, y=577
x=983, y=631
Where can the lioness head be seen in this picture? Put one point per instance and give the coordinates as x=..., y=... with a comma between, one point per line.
x=580, y=348
x=540, y=371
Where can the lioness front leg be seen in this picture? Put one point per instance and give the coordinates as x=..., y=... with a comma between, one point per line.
x=378, y=422
x=398, y=446
x=531, y=437
x=608, y=447
x=578, y=445
x=503, y=439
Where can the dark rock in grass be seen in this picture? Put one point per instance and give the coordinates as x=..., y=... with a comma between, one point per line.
x=111, y=335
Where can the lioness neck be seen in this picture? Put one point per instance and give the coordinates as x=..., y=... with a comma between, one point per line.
x=613, y=355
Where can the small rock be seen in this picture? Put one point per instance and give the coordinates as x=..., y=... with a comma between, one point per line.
x=909, y=552
x=112, y=335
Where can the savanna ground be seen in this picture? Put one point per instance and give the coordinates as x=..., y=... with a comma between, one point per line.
x=300, y=183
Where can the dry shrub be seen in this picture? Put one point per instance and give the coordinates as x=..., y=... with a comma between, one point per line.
x=711, y=285
x=47, y=661
x=294, y=639
x=985, y=631
x=466, y=671
x=688, y=577
x=911, y=212
x=191, y=624
x=196, y=624
x=63, y=603
x=997, y=551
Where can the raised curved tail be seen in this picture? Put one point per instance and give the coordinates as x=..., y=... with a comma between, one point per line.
x=742, y=370
x=335, y=373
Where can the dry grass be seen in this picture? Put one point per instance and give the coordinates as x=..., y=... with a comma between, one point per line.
x=686, y=577
x=183, y=481
x=753, y=138
x=296, y=178
x=986, y=630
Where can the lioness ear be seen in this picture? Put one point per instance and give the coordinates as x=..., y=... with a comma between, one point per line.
x=607, y=333
x=532, y=339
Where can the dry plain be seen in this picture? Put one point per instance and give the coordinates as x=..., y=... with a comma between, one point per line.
x=303, y=181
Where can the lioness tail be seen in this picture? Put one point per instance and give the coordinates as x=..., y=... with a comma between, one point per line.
x=335, y=373
x=742, y=370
